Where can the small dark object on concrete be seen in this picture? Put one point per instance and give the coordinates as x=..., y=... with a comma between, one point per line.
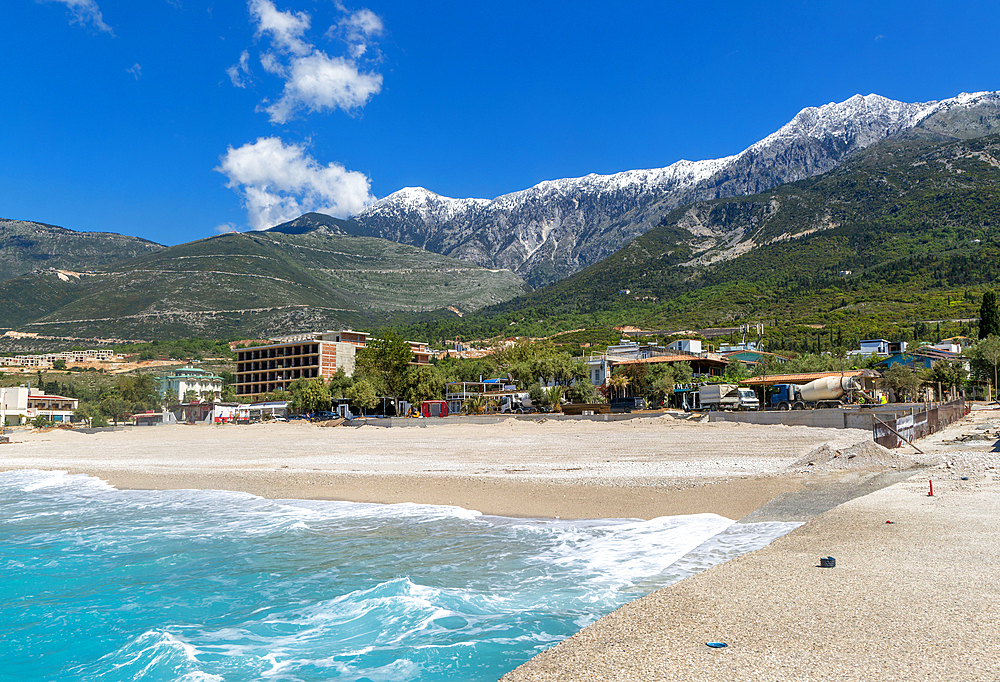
x=827, y=562
x=965, y=478
x=888, y=521
x=717, y=645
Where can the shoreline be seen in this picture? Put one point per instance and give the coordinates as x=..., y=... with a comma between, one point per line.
x=732, y=499
x=637, y=469
x=641, y=468
x=914, y=599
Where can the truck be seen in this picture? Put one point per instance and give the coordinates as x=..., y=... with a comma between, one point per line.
x=727, y=397
x=516, y=403
x=822, y=392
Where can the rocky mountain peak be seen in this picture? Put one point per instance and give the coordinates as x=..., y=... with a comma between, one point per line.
x=557, y=227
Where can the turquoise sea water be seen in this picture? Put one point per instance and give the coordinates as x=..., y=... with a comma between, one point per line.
x=107, y=585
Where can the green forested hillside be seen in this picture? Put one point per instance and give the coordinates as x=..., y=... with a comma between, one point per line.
x=27, y=246
x=906, y=232
x=251, y=284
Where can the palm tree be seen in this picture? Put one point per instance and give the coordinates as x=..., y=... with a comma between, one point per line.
x=619, y=383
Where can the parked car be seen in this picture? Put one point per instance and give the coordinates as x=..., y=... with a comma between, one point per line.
x=619, y=405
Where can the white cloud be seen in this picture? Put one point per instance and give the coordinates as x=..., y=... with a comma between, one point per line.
x=135, y=70
x=85, y=12
x=279, y=182
x=285, y=28
x=239, y=72
x=318, y=82
x=358, y=28
x=314, y=80
x=226, y=228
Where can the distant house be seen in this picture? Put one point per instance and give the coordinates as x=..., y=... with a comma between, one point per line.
x=880, y=347
x=702, y=366
x=685, y=345
x=921, y=358
x=599, y=368
x=954, y=344
x=20, y=404
x=186, y=379
x=209, y=412
x=753, y=357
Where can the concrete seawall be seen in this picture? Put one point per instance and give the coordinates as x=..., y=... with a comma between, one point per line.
x=830, y=418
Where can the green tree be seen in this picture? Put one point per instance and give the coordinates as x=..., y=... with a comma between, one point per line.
x=115, y=407
x=423, y=382
x=339, y=383
x=309, y=395
x=41, y=421
x=59, y=364
x=190, y=396
x=660, y=384
x=949, y=373
x=170, y=398
x=904, y=381
x=553, y=397
x=476, y=404
x=683, y=373
x=582, y=391
x=989, y=316
x=139, y=391
x=362, y=395
x=984, y=358
x=736, y=371
x=536, y=393
x=85, y=412
x=383, y=362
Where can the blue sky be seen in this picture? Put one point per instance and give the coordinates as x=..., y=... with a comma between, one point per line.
x=174, y=119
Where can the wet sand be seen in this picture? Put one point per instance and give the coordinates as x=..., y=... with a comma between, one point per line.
x=912, y=600
x=642, y=468
x=915, y=599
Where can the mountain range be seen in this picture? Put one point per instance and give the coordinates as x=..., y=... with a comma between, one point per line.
x=27, y=246
x=902, y=236
x=558, y=227
x=684, y=242
x=255, y=284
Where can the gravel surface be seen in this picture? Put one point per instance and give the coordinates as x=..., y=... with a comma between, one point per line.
x=914, y=599
x=644, y=467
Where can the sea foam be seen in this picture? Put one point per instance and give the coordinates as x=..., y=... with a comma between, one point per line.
x=102, y=584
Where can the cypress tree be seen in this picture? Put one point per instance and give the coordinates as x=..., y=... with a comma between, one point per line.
x=989, y=316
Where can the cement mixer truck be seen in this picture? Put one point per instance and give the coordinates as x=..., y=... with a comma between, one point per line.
x=823, y=392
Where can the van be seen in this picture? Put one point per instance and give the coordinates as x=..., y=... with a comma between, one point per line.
x=627, y=405
x=748, y=399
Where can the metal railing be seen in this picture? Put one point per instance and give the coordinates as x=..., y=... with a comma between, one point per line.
x=891, y=433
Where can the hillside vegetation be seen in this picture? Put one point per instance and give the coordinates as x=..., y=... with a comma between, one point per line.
x=251, y=284
x=904, y=232
x=27, y=246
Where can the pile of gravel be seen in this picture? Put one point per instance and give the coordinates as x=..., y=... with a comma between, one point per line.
x=866, y=455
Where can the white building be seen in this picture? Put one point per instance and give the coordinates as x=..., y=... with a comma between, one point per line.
x=685, y=345
x=879, y=347
x=20, y=404
x=186, y=379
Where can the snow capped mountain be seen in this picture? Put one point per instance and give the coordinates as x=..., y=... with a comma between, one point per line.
x=557, y=227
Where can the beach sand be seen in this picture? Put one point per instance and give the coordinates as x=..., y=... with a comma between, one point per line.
x=915, y=599
x=641, y=468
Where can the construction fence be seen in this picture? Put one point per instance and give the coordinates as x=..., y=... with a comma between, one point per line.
x=891, y=433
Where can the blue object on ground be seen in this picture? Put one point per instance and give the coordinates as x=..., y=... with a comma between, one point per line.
x=717, y=645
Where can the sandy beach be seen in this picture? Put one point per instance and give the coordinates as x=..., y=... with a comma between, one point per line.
x=911, y=599
x=641, y=468
x=914, y=599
